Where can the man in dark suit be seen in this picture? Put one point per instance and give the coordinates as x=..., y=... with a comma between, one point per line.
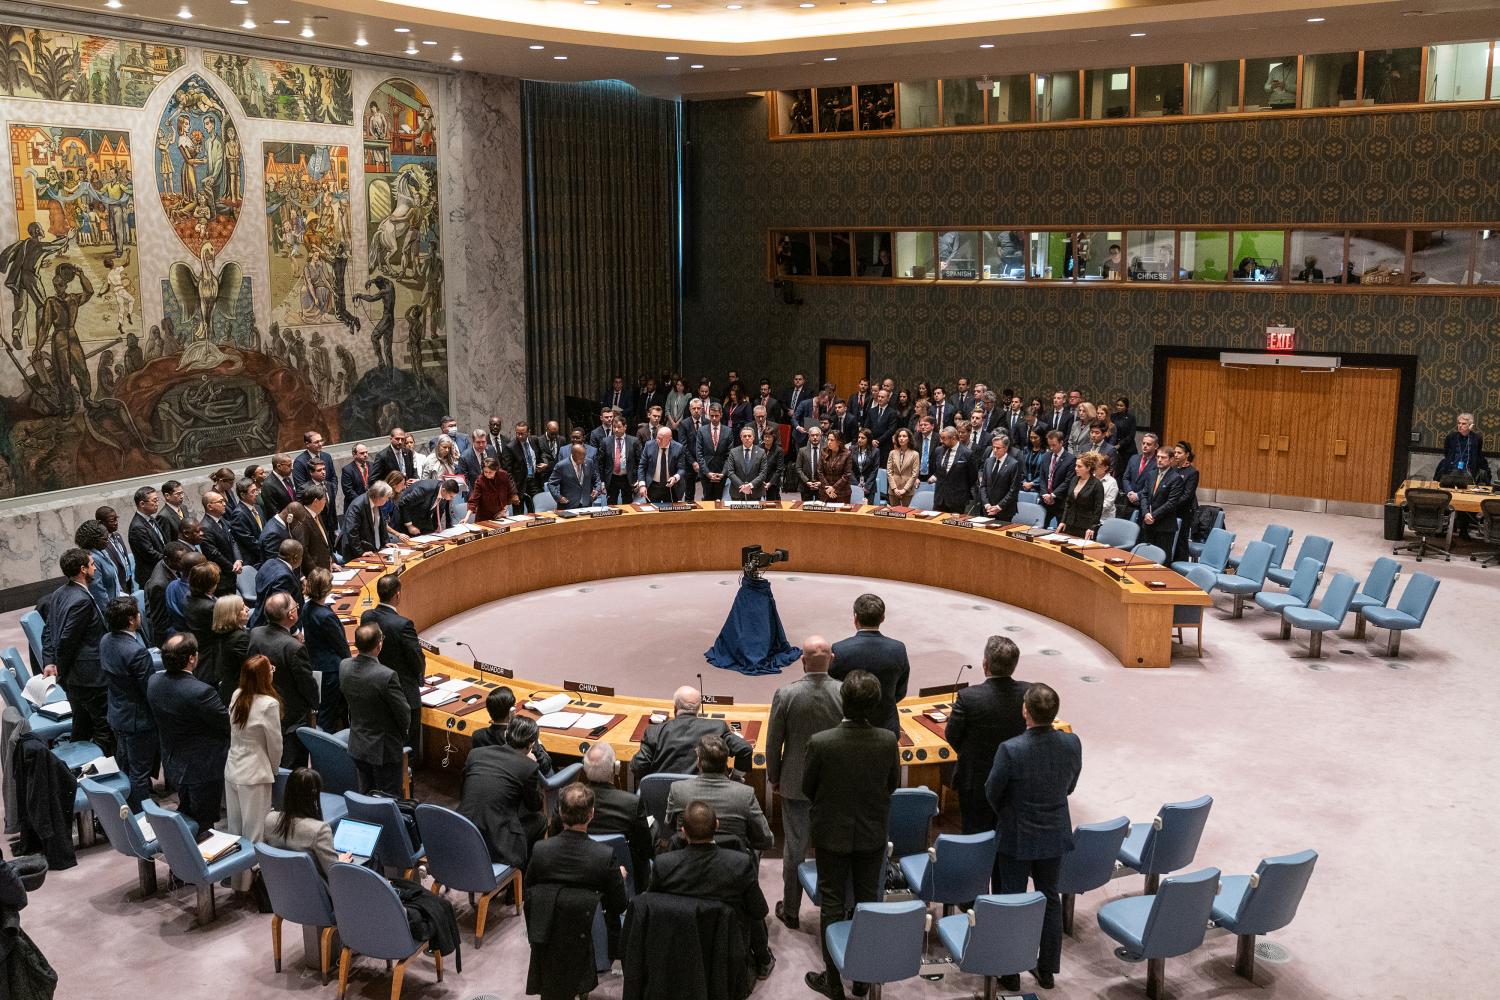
x=746, y=468
x=1161, y=502
x=964, y=397
x=327, y=512
x=127, y=667
x=246, y=522
x=671, y=747
x=852, y=771
x=379, y=717
x=146, y=536
x=218, y=542
x=502, y=794
x=117, y=550
x=705, y=870
x=925, y=442
x=1028, y=788
x=616, y=810
x=402, y=652
x=799, y=711
x=875, y=654
x=172, y=514
x=574, y=482
x=943, y=409
x=312, y=453
x=1056, y=479
x=793, y=398
x=619, y=457
x=522, y=457
x=769, y=403
x=882, y=421
x=363, y=528
x=1137, y=472
x=1060, y=418
x=281, y=575
x=985, y=716
x=71, y=630
x=861, y=400
x=357, y=476
x=952, y=474
x=395, y=457
x=662, y=469
x=808, y=472
x=471, y=460
x=500, y=705
x=618, y=396
x=687, y=435
x=846, y=423
x=276, y=529
x=999, y=482
x=293, y=677
x=158, y=614
x=278, y=490
x=426, y=506
x=194, y=730
x=714, y=444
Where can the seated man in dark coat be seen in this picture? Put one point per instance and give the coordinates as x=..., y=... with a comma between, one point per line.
x=502, y=794
x=618, y=811
x=500, y=703
x=671, y=747
x=570, y=875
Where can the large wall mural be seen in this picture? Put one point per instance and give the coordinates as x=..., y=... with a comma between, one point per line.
x=199, y=166
x=85, y=69
x=286, y=91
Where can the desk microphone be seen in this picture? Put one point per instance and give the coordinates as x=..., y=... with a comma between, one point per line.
x=702, y=699
x=472, y=655
x=966, y=666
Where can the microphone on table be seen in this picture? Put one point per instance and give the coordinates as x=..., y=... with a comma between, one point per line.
x=702, y=698
x=966, y=666
x=472, y=655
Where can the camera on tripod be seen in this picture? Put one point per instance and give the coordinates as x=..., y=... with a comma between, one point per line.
x=754, y=559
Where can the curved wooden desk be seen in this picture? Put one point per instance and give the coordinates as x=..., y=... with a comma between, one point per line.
x=1118, y=609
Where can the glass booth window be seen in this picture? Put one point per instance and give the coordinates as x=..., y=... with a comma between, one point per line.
x=958, y=255
x=1009, y=99
x=1106, y=93
x=835, y=109
x=1330, y=80
x=1158, y=90
x=877, y=106
x=793, y=254
x=1487, y=258
x=1441, y=256
x=914, y=255
x=1377, y=257
x=1317, y=256
x=1100, y=256
x=919, y=103
x=1393, y=76
x=1494, y=77
x=833, y=254
x=872, y=255
x=1257, y=255
x=1205, y=254
x=1149, y=253
x=1050, y=254
x=1214, y=87
x=794, y=111
x=1456, y=72
x=1005, y=255
x=1271, y=83
x=963, y=102
x=1056, y=97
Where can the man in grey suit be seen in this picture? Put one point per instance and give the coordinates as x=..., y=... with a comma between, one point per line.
x=378, y=713
x=799, y=711
x=734, y=802
x=1028, y=788
x=747, y=468
x=575, y=480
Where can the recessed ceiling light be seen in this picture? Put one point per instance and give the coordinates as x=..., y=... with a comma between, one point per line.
x=536, y=48
x=403, y=31
x=830, y=58
x=411, y=48
x=592, y=3
x=561, y=58
x=734, y=6
x=185, y=14
x=663, y=6
x=248, y=24
x=696, y=66
x=113, y=4
x=877, y=1
x=735, y=69
x=1137, y=34
x=361, y=41
x=673, y=58
x=1316, y=20
x=281, y=20
x=986, y=45
x=239, y=3
x=429, y=41
x=306, y=31
x=806, y=5
x=457, y=56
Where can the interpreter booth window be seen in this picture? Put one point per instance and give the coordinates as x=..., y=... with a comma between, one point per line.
x=1378, y=256
x=958, y=256
x=1004, y=255
x=1393, y=76
x=835, y=109
x=1051, y=256
x=1205, y=255
x=1494, y=75
x=914, y=256
x=1330, y=80
x=1101, y=256
x=1457, y=72
x=793, y=254
x=1271, y=84
x=1214, y=87
x=919, y=103
x=1009, y=99
x=1106, y=94
x=1149, y=254
x=1441, y=256
x=1158, y=91
x=963, y=102
x=1317, y=256
x=872, y=255
x=1487, y=258
x=1057, y=96
x=877, y=106
x=1257, y=255
x=794, y=111
x=834, y=255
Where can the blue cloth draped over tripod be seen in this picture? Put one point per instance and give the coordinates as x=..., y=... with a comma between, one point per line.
x=752, y=640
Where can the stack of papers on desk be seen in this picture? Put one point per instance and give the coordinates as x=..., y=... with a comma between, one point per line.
x=573, y=720
x=1083, y=543
x=343, y=576
x=455, y=685
x=980, y=520
x=459, y=530
x=397, y=551
x=428, y=539
x=218, y=844
x=549, y=706
x=438, y=697
x=1055, y=537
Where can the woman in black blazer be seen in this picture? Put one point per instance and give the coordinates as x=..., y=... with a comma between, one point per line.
x=327, y=647
x=865, y=464
x=775, y=463
x=1084, y=506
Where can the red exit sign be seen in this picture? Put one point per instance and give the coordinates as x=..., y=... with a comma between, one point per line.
x=1281, y=338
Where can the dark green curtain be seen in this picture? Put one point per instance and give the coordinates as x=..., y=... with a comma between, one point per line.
x=602, y=180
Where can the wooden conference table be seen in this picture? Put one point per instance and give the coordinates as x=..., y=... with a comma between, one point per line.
x=1465, y=501
x=1126, y=607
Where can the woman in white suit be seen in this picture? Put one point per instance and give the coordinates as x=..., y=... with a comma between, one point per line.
x=254, y=750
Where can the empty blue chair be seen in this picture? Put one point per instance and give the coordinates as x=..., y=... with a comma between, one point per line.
x=1313, y=547
x=543, y=502
x=856, y=494
x=1030, y=513
x=122, y=828
x=1185, y=616
x=458, y=858
x=882, y=484
x=299, y=894
x=1279, y=536
x=954, y=870
x=1000, y=936
x=176, y=838
x=371, y=921
x=244, y=585
x=1195, y=549
x=1249, y=578
x=923, y=499
x=1169, y=923
x=145, y=623
x=1375, y=592
x=1029, y=496
x=1167, y=843
x=909, y=829
x=330, y=758
x=556, y=781
x=1309, y=572
x=653, y=789
x=32, y=624
x=1146, y=552
x=1091, y=863
x=394, y=848
x=17, y=665
x=1248, y=905
x=1119, y=532
x=882, y=944
x=1328, y=616
x=1214, y=553
x=621, y=848
x=1409, y=613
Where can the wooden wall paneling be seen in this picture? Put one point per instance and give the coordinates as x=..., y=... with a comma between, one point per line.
x=1246, y=435
x=1302, y=442
x=1363, y=404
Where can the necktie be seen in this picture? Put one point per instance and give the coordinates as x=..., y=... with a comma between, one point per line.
x=661, y=464
x=364, y=474
x=948, y=462
x=926, y=443
x=815, y=465
x=1157, y=486
x=530, y=458
x=1052, y=471
x=578, y=473
x=287, y=484
x=619, y=456
x=437, y=510
x=714, y=434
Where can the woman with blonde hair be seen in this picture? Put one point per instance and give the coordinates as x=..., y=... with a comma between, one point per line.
x=220, y=658
x=1084, y=505
x=254, y=750
x=1078, y=435
x=443, y=462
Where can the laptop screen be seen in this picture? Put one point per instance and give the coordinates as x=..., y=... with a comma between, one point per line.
x=356, y=838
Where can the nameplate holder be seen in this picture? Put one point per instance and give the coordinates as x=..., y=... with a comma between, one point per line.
x=718, y=699
x=606, y=512
x=957, y=522
x=933, y=692
x=587, y=687
x=1072, y=550
x=430, y=553
x=429, y=647
x=883, y=512
x=490, y=668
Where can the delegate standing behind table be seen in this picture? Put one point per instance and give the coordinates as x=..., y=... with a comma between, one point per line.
x=194, y=729
x=401, y=650
x=984, y=716
x=127, y=667
x=879, y=655
x=379, y=716
x=71, y=630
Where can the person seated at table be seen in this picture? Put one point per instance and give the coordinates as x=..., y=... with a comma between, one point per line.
x=502, y=794
x=1463, y=451
x=616, y=810
x=500, y=704
x=671, y=747
x=298, y=825
x=734, y=802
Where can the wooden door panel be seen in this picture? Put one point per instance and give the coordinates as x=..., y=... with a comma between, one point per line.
x=1361, y=434
x=844, y=365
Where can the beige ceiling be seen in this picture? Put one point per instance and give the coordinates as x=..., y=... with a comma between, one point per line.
x=767, y=45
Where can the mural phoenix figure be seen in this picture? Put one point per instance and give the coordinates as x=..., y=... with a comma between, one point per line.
x=205, y=293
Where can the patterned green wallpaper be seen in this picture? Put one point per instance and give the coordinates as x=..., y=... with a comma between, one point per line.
x=1399, y=167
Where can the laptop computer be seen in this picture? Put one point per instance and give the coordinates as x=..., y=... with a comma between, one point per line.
x=356, y=838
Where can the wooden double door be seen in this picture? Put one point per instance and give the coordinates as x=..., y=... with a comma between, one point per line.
x=1286, y=431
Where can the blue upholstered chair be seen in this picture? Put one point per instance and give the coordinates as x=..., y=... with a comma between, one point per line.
x=1328, y=616
x=1195, y=549
x=145, y=625
x=1118, y=531
x=1000, y=936
x=1248, y=905
x=1150, y=553
x=1375, y=592
x=621, y=847
x=807, y=877
x=244, y=585
x=394, y=848
x=1190, y=616
x=1313, y=547
x=1279, y=536
x=299, y=894
x=333, y=805
x=543, y=502
x=909, y=829
x=17, y=665
x=882, y=483
x=1029, y=496
x=1091, y=863
x=371, y=921
x=1249, y=578
x=1409, y=613
x=924, y=498
x=1033, y=514
x=1167, y=843
x=32, y=625
x=1163, y=925
x=953, y=871
x=176, y=838
x=1213, y=554
x=122, y=828
x=1304, y=584
x=882, y=944
x=458, y=858
x=50, y=730
x=653, y=790
x=556, y=781
x=330, y=758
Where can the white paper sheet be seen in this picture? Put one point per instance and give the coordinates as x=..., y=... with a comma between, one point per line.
x=438, y=697
x=591, y=720
x=559, y=720
x=457, y=684
x=549, y=705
